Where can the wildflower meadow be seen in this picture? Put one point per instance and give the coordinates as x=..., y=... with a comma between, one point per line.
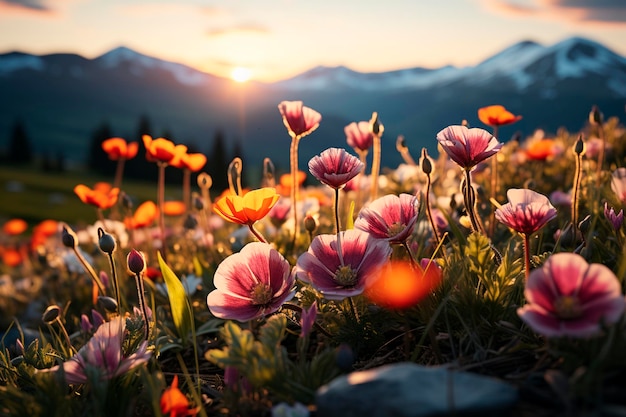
x=485, y=276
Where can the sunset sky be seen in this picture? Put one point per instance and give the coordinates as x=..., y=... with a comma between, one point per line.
x=277, y=39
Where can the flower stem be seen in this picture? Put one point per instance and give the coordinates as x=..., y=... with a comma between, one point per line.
x=526, y=255
x=337, y=226
x=256, y=233
x=408, y=251
x=161, y=204
x=494, y=185
x=375, y=167
x=116, y=286
x=142, y=304
x=187, y=188
x=600, y=155
x=576, y=190
x=469, y=197
x=429, y=212
x=90, y=271
x=293, y=158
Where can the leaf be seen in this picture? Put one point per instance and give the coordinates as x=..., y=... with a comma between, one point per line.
x=197, y=267
x=273, y=331
x=350, y=220
x=179, y=304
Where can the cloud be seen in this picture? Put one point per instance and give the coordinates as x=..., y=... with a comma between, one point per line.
x=25, y=7
x=253, y=28
x=155, y=9
x=578, y=11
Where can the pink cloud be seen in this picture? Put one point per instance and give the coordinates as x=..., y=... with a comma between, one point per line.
x=253, y=28
x=32, y=8
x=573, y=11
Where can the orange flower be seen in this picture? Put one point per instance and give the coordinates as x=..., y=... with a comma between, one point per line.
x=191, y=161
x=103, y=196
x=161, y=149
x=246, y=209
x=42, y=232
x=496, y=116
x=173, y=401
x=118, y=148
x=15, y=227
x=144, y=216
x=540, y=150
x=11, y=257
x=174, y=208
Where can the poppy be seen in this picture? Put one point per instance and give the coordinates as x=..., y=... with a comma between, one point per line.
x=144, y=216
x=496, y=115
x=174, y=402
x=526, y=212
x=468, y=147
x=246, y=209
x=335, y=167
x=359, y=136
x=299, y=119
x=118, y=148
x=103, y=196
x=15, y=227
x=160, y=149
x=391, y=217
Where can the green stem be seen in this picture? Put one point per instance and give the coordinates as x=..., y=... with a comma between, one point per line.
x=469, y=197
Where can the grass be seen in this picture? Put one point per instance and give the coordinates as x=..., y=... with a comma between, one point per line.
x=33, y=195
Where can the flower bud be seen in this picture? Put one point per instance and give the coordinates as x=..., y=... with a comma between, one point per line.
x=205, y=181
x=427, y=166
x=106, y=242
x=190, y=222
x=51, y=314
x=108, y=303
x=595, y=117
x=375, y=126
x=68, y=237
x=136, y=262
x=579, y=147
x=310, y=224
x=197, y=202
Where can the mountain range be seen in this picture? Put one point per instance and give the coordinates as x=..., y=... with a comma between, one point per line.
x=63, y=98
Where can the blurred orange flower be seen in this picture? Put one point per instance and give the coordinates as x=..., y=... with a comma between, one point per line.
x=496, y=115
x=246, y=209
x=11, y=257
x=194, y=162
x=144, y=216
x=174, y=208
x=15, y=227
x=42, y=231
x=161, y=149
x=118, y=148
x=174, y=402
x=103, y=196
x=540, y=150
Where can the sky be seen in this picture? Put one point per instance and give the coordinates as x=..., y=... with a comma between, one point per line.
x=271, y=40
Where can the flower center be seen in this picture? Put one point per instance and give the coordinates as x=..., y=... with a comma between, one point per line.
x=396, y=228
x=345, y=276
x=568, y=307
x=261, y=294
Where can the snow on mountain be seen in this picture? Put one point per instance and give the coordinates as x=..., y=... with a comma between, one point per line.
x=139, y=64
x=15, y=61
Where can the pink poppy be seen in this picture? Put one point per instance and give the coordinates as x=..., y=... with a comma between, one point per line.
x=616, y=219
x=335, y=167
x=526, y=212
x=359, y=136
x=390, y=217
x=569, y=297
x=103, y=354
x=618, y=184
x=342, y=272
x=298, y=119
x=251, y=284
x=468, y=147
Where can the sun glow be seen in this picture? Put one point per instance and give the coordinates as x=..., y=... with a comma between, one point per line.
x=240, y=74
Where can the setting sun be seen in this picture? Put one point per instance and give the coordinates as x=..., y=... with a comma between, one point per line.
x=240, y=74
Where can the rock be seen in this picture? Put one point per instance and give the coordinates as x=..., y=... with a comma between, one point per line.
x=409, y=390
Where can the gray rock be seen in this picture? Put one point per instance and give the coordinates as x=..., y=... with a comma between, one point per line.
x=409, y=390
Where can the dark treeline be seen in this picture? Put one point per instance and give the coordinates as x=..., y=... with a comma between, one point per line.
x=20, y=152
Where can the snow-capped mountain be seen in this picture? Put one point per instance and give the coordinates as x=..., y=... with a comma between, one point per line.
x=138, y=64
x=16, y=61
x=523, y=65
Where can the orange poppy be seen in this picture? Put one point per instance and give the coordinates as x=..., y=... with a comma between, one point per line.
x=118, y=148
x=174, y=402
x=15, y=227
x=174, y=208
x=496, y=115
x=161, y=149
x=144, y=216
x=540, y=150
x=42, y=231
x=191, y=161
x=246, y=209
x=103, y=196
x=11, y=257
x=285, y=179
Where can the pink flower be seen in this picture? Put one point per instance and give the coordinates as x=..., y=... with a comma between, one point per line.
x=308, y=319
x=251, y=284
x=526, y=212
x=569, y=297
x=103, y=354
x=359, y=136
x=390, y=217
x=335, y=167
x=618, y=184
x=342, y=272
x=298, y=119
x=616, y=219
x=468, y=147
